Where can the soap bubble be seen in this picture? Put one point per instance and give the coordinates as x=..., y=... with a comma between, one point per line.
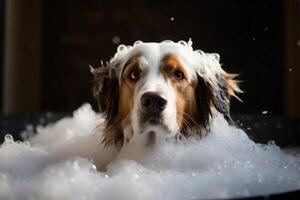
x=121, y=48
x=8, y=139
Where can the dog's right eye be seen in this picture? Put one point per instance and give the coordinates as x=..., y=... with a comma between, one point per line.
x=134, y=75
x=178, y=75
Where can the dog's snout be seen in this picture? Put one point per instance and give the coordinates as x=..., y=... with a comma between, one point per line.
x=153, y=102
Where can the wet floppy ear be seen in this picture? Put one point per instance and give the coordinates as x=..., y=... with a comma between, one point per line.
x=225, y=88
x=217, y=95
x=106, y=91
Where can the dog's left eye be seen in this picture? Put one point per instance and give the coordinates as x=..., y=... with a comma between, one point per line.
x=135, y=74
x=178, y=75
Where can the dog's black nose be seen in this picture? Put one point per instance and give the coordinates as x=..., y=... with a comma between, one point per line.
x=152, y=102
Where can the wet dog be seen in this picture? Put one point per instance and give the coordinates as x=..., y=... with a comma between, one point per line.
x=150, y=92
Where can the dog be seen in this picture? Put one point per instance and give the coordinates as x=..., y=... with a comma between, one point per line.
x=150, y=92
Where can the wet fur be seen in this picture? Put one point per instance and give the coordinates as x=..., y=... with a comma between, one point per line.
x=194, y=100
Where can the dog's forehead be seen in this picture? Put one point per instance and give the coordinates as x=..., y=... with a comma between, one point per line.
x=152, y=54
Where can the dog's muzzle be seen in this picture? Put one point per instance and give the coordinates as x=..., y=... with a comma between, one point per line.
x=153, y=105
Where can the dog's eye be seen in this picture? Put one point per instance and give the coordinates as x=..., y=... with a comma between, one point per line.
x=135, y=74
x=178, y=75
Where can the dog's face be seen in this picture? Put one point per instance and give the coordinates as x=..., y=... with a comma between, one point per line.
x=156, y=93
x=161, y=88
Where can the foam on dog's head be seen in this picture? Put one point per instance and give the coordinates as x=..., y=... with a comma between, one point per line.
x=205, y=64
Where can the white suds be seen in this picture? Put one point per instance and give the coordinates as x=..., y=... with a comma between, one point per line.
x=225, y=164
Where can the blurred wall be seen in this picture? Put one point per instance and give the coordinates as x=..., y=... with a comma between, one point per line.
x=1, y=52
x=22, y=51
x=49, y=45
x=292, y=44
x=248, y=35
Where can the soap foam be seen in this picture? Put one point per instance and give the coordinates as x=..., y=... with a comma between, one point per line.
x=60, y=163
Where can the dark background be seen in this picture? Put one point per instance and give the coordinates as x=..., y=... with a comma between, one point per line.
x=252, y=37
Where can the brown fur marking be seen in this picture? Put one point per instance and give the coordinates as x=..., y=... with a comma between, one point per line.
x=111, y=134
x=185, y=93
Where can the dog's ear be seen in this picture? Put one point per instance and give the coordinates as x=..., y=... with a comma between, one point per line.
x=106, y=91
x=226, y=87
x=216, y=95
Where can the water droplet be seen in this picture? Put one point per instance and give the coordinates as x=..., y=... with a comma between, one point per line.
x=116, y=40
x=290, y=69
x=106, y=176
x=264, y=112
x=172, y=18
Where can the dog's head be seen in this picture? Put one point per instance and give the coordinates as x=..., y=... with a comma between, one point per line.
x=162, y=87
